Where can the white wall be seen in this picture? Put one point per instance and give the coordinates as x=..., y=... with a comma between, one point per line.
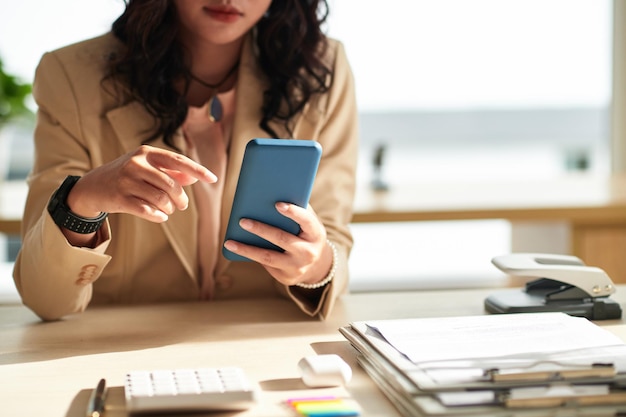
x=441, y=54
x=29, y=28
x=414, y=55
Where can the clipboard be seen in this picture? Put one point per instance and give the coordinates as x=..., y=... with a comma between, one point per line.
x=596, y=365
x=598, y=357
x=537, y=401
x=588, y=380
x=584, y=400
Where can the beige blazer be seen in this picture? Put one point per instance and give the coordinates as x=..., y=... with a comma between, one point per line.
x=84, y=122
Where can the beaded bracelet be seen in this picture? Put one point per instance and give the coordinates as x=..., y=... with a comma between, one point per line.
x=330, y=275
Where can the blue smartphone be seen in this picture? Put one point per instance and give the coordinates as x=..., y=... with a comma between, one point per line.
x=272, y=170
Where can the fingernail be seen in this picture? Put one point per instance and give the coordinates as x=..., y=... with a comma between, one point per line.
x=245, y=224
x=211, y=176
x=230, y=245
x=282, y=206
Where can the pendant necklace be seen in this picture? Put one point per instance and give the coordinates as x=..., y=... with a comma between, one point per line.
x=215, y=110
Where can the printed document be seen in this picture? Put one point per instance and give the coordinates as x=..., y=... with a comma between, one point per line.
x=503, y=335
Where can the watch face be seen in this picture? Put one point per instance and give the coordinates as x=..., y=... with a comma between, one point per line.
x=54, y=201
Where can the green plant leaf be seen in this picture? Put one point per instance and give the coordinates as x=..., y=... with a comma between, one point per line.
x=13, y=96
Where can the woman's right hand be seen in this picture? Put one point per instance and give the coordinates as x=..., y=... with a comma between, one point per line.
x=147, y=183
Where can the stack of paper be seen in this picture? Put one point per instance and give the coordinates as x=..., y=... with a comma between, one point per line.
x=530, y=364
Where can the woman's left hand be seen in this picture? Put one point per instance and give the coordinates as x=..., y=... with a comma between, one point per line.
x=306, y=257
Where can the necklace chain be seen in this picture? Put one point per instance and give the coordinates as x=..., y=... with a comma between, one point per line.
x=214, y=109
x=220, y=83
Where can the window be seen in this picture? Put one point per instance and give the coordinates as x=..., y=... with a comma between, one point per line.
x=472, y=91
x=487, y=75
x=456, y=90
x=30, y=28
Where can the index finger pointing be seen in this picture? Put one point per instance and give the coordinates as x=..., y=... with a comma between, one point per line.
x=169, y=160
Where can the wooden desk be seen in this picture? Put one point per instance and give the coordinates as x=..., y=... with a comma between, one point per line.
x=12, y=199
x=50, y=368
x=10, y=226
x=594, y=208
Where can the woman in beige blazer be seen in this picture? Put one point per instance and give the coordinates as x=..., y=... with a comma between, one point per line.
x=148, y=123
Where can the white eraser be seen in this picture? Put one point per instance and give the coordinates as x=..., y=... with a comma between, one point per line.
x=324, y=371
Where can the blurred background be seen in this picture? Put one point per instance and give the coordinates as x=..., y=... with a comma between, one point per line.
x=449, y=91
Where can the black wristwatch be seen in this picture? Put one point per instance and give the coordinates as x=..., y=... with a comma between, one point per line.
x=63, y=216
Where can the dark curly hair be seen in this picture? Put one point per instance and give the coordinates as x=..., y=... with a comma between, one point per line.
x=289, y=38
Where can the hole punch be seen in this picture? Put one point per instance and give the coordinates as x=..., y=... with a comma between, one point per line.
x=564, y=283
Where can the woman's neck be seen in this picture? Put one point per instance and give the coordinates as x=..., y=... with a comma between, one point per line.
x=211, y=62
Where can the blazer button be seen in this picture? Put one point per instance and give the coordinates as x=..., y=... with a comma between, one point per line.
x=82, y=281
x=86, y=274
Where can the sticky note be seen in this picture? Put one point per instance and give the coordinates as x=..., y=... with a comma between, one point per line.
x=328, y=406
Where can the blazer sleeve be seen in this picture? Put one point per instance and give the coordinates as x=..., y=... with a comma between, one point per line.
x=52, y=277
x=333, y=195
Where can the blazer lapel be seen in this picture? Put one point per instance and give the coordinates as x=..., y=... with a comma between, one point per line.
x=248, y=101
x=133, y=126
x=249, y=98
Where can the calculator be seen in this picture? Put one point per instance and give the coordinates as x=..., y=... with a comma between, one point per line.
x=188, y=390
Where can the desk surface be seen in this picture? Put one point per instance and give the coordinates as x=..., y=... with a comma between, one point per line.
x=571, y=198
x=12, y=199
x=50, y=368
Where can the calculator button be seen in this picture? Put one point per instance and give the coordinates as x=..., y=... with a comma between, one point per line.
x=203, y=389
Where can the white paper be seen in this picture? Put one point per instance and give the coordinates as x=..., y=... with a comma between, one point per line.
x=491, y=336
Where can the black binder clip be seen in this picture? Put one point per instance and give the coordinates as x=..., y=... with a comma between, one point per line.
x=565, y=284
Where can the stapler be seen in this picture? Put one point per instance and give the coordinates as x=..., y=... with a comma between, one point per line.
x=564, y=283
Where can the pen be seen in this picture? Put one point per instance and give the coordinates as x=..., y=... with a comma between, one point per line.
x=95, y=407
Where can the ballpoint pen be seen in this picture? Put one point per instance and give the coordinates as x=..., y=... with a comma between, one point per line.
x=95, y=407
